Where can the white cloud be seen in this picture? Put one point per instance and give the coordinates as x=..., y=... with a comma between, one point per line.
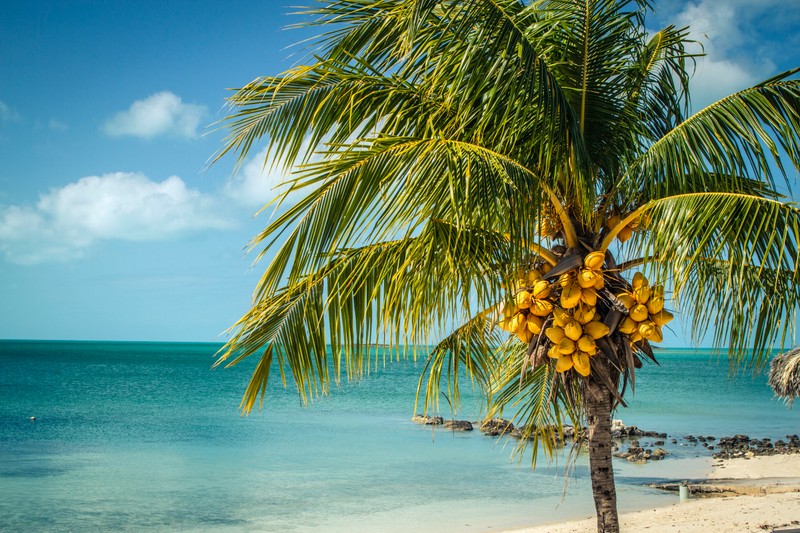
x=734, y=57
x=122, y=206
x=257, y=183
x=163, y=113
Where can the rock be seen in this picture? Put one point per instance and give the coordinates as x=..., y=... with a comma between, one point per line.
x=658, y=443
x=523, y=432
x=744, y=446
x=428, y=420
x=496, y=426
x=458, y=425
x=658, y=454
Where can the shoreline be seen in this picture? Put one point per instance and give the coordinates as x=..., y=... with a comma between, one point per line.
x=755, y=494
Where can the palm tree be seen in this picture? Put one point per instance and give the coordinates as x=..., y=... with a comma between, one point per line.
x=469, y=168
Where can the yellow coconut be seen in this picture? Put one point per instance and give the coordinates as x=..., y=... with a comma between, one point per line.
x=541, y=307
x=638, y=312
x=564, y=363
x=573, y=330
x=662, y=317
x=525, y=335
x=657, y=290
x=584, y=314
x=523, y=299
x=555, y=334
x=511, y=323
x=627, y=326
x=594, y=260
x=570, y=296
x=625, y=234
x=541, y=290
x=638, y=280
x=534, y=323
x=596, y=329
x=581, y=364
x=566, y=346
x=642, y=294
x=657, y=335
x=646, y=329
x=587, y=277
x=627, y=299
x=655, y=304
x=561, y=317
x=589, y=297
x=586, y=343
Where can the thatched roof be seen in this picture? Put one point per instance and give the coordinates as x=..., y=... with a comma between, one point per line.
x=784, y=375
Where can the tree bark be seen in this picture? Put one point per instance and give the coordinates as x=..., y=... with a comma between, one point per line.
x=598, y=410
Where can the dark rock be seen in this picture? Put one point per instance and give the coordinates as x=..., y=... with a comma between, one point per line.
x=496, y=426
x=658, y=454
x=658, y=443
x=458, y=425
x=428, y=420
x=522, y=432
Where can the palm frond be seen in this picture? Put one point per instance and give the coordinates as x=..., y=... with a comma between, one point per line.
x=538, y=398
x=745, y=134
x=393, y=186
x=468, y=350
x=398, y=293
x=734, y=265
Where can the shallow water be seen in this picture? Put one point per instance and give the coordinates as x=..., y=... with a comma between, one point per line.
x=145, y=436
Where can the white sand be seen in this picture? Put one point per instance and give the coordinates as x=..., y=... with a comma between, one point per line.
x=768, y=466
x=774, y=508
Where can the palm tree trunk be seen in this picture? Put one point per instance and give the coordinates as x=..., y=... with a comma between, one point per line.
x=598, y=409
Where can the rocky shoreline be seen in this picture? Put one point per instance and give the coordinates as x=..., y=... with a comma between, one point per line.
x=627, y=439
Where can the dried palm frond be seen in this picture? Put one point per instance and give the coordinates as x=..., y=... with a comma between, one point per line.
x=784, y=375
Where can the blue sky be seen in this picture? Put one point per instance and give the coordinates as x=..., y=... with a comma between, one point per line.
x=111, y=224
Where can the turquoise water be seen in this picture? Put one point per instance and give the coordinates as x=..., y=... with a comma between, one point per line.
x=146, y=436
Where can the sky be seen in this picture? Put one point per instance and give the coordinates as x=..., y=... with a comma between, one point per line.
x=112, y=224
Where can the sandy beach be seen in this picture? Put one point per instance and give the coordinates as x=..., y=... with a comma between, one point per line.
x=749, y=495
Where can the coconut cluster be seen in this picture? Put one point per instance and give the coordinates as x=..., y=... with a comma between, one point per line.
x=562, y=316
x=646, y=313
x=532, y=305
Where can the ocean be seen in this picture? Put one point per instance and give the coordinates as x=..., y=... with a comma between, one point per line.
x=132, y=436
